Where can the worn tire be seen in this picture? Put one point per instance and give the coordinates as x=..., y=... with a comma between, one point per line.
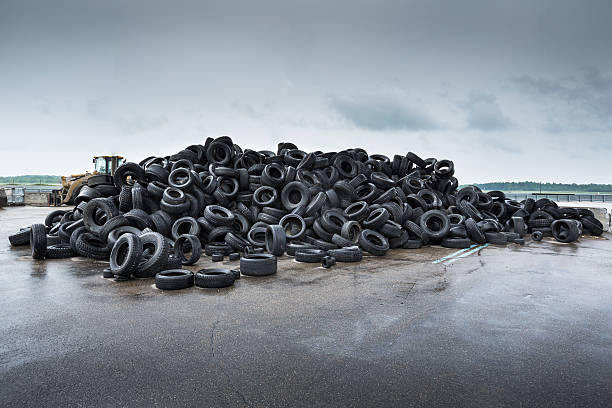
x=258, y=265
x=174, y=279
x=214, y=278
x=38, y=241
x=126, y=255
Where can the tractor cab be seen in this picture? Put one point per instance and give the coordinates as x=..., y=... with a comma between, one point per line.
x=107, y=164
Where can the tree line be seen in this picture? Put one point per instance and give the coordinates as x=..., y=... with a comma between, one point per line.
x=31, y=179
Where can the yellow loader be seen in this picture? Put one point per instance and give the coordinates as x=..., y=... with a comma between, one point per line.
x=71, y=185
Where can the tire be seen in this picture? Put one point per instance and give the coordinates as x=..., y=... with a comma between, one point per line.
x=214, y=278
x=357, y=211
x=107, y=273
x=159, y=249
x=103, y=204
x=341, y=242
x=54, y=217
x=328, y=261
x=188, y=244
x=565, y=230
x=258, y=265
x=112, y=224
x=496, y=238
x=218, y=215
x=376, y=219
x=114, y=235
x=309, y=255
x=174, y=279
x=59, y=251
x=126, y=255
x=20, y=238
x=293, y=247
x=537, y=235
x=125, y=199
x=293, y=225
x=90, y=246
x=295, y=194
x=276, y=240
x=474, y=232
x=373, y=242
x=139, y=218
x=351, y=231
x=456, y=243
x=38, y=241
x=185, y=225
x=592, y=224
x=348, y=254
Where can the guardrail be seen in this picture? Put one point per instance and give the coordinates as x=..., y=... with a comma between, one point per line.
x=601, y=198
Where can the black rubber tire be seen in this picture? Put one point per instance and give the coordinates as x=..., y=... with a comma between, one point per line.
x=218, y=215
x=316, y=203
x=357, y=211
x=129, y=169
x=341, y=242
x=159, y=250
x=565, y=230
x=90, y=246
x=234, y=256
x=188, y=243
x=59, y=251
x=38, y=241
x=309, y=255
x=258, y=265
x=54, y=217
x=105, y=205
x=592, y=225
x=474, y=231
x=293, y=225
x=348, y=254
x=126, y=255
x=112, y=224
x=373, y=242
x=413, y=244
x=351, y=231
x=107, y=273
x=537, y=235
x=185, y=225
x=295, y=246
x=114, y=235
x=456, y=242
x=174, y=279
x=435, y=224
x=376, y=219
x=496, y=238
x=276, y=240
x=328, y=261
x=214, y=278
x=20, y=238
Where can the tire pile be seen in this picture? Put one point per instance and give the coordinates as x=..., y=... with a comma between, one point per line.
x=155, y=216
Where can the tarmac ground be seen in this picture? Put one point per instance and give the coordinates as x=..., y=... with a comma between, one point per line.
x=501, y=326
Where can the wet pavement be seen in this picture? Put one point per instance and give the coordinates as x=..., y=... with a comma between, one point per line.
x=503, y=326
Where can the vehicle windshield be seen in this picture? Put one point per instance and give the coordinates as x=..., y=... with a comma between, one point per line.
x=100, y=165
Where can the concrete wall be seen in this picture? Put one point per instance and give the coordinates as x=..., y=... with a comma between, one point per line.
x=36, y=199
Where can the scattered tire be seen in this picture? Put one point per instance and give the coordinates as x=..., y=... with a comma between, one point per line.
x=174, y=279
x=258, y=265
x=126, y=255
x=214, y=278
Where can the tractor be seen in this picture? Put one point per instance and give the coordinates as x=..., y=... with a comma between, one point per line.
x=71, y=186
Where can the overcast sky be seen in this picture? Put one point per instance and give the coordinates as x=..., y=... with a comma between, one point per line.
x=509, y=90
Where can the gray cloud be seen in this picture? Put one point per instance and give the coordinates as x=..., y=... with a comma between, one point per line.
x=484, y=113
x=580, y=101
x=381, y=112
